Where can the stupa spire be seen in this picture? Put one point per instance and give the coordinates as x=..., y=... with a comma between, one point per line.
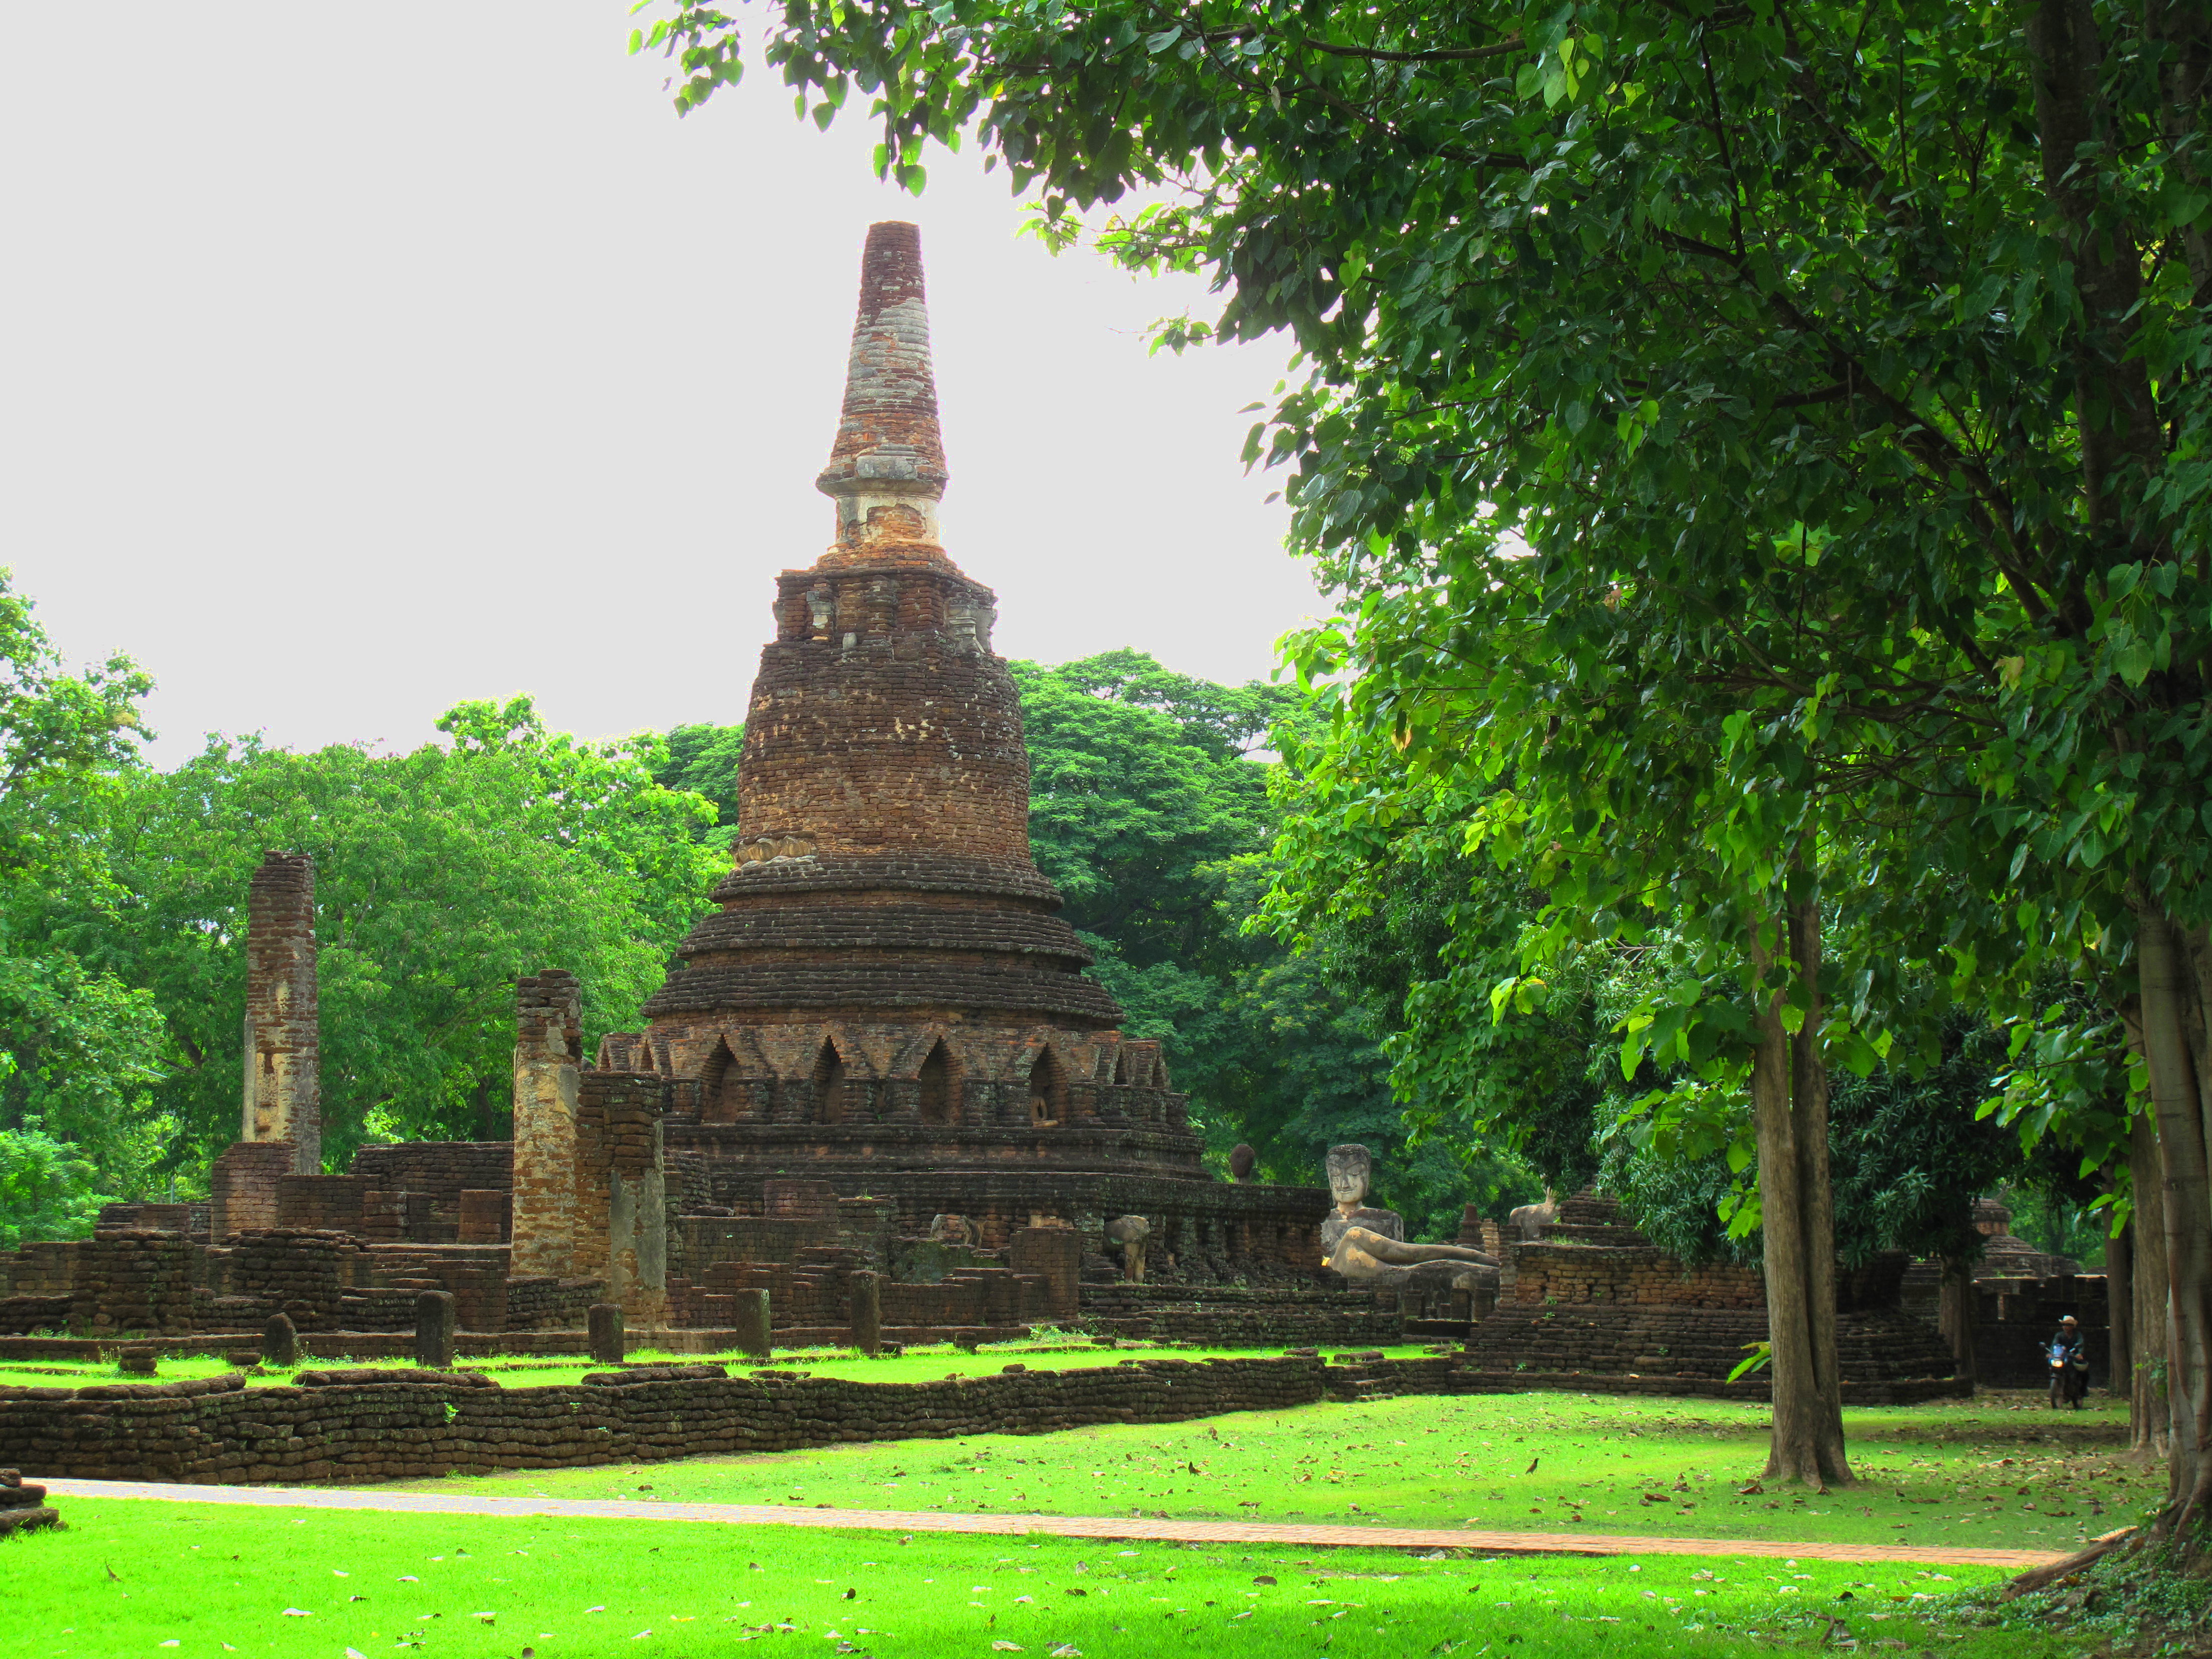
x=886, y=469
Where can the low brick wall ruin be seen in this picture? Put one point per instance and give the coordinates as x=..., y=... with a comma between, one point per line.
x=217, y=1430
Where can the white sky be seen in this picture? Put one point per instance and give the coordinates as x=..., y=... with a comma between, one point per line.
x=355, y=360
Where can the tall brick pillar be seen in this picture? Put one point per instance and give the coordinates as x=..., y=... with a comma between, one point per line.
x=283, y=1098
x=549, y=1050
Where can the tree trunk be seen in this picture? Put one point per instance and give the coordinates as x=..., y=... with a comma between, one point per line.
x=1816, y=1192
x=2149, y=1427
x=2119, y=1307
x=2118, y=414
x=2172, y=1038
x=1797, y=1229
x=1956, y=1313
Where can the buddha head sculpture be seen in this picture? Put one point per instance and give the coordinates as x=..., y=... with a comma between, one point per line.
x=1242, y=1157
x=1349, y=1168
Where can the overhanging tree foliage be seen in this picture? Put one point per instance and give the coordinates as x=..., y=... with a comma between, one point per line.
x=1840, y=363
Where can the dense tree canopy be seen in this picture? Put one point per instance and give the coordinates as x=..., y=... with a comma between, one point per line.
x=442, y=875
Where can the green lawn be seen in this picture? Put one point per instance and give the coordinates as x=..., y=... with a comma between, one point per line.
x=1985, y=1475
x=915, y=1365
x=197, y=1579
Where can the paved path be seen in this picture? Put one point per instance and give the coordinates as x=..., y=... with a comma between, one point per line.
x=1059, y=1526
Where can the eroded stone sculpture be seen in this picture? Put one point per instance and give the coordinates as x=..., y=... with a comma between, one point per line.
x=1368, y=1246
x=1530, y=1220
x=1132, y=1233
x=951, y=1230
x=1242, y=1157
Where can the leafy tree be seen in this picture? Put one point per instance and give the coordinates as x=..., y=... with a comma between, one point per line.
x=83, y=1054
x=47, y=1189
x=79, y=1050
x=701, y=759
x=1839, y=363
x=442, y=876
x=1150, y=808
x=1140, y=781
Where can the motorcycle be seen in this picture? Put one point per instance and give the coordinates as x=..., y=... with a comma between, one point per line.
x=2070, y=1374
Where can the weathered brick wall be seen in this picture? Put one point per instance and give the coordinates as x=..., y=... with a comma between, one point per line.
x=1056, y=1256
x=219, y=1431
x=33, y=1316
x=242, y=1185
x=131, y=1282
x=1234, y=1316
x=476, y=1274
x=622, y=1213
x=544, y=1303
x=283, y=1065
x=296, y=1271
x=320, y=1202
x=2015, y=1320
x=1563, y=1274
x=41, y=1267
x=190, y=1220
x=1668, y=1340
x=486, y=1217
x=433, y=1173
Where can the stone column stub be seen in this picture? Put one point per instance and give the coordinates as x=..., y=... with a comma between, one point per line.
x=283, y=1081
x=548, y=1047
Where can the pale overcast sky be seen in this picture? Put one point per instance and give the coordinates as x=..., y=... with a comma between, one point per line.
x=358, y=359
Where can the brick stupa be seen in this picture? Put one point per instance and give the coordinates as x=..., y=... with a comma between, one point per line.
x=884, y=997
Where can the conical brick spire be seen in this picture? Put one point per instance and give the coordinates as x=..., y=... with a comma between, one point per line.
x=886, y=469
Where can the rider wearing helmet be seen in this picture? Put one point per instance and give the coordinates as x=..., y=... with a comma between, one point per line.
x=2069, y=1365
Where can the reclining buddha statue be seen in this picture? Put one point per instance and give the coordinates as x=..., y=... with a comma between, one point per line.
x=1368, y=1246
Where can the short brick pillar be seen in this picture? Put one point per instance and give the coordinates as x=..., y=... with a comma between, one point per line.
x=749, y=1319
x=867, y=1292
x=280, y=1342
x=434, y=1329
x=607, y=1331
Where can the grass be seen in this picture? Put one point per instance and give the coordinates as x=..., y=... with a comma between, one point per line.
x=925, y=1364
x=1982, y=1475
x=195, y=1579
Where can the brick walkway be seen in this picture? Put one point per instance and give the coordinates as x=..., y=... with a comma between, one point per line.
x=1058, y=1526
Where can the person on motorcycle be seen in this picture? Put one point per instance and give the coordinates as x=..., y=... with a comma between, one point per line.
x=2069, y=1365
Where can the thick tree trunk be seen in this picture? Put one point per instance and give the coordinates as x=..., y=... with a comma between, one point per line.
x=2185, y=30
x=2119, y=415
x=1798, y=1227
x=1955, y=1314
x=2150, y=1429
x=2172, y=1033
x=1816, y=1192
